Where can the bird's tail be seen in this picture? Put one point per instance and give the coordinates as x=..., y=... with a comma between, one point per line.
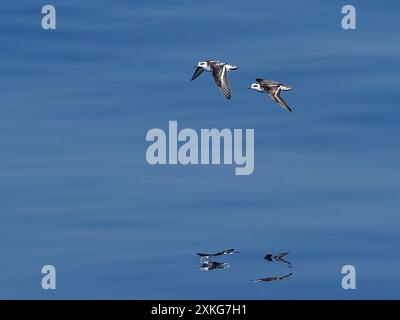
x=285, y=87
x=231, y=67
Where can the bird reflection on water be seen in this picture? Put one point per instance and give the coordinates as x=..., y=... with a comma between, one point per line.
x=207, y=264
x=220, y=253
x=274, y=278
x=212, y=265
x=279, y=258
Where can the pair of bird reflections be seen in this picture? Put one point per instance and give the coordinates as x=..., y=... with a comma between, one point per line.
x=207, y=263
x=220, y=71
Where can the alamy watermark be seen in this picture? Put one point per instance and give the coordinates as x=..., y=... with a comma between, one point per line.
x=349, y=20
x=349, y=280
x=49, y=20
x=186, y=146
x=49, y=278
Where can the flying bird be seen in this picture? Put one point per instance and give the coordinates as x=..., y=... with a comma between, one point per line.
x=273, y=89
x=219, y=71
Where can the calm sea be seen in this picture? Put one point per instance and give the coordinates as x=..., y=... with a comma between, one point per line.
x=76, y=191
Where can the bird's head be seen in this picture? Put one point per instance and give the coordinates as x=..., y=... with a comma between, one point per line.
x=202, y=64
x=256, y=86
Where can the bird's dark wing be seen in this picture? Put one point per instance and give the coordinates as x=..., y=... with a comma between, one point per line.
x=269, y=279
x=286, y=276
x=205, y=254
x=281, y=255
x=225, y=252
x=280, y=258
x=221, y=79
x=197, y=72
x=274, y=93
x=267, y=83
x=276, y=278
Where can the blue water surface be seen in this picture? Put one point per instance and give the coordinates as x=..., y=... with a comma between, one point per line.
x=76, y=191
